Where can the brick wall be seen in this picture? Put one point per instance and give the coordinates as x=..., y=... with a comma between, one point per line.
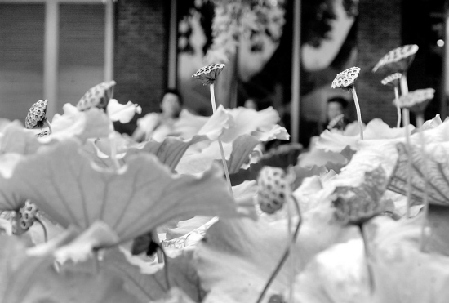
x=380, y=30
x=140, y=54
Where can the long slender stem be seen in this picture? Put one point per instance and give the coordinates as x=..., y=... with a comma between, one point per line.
x=371, y=282
x=44, y=229
x=225, y=166
x=359, y=113
x=223, y=159
x=167, y=277
x=212, y=98
x=422, y=240
x=155, y=237
x=396, y=96
x=284, y=256
x=406, y=122
x=292, y=242
x=49, y=126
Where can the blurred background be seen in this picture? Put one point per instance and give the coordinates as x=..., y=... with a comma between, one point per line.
x=58, y=49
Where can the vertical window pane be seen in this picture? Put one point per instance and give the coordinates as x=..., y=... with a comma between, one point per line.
x=21, y=57
x=81, y=50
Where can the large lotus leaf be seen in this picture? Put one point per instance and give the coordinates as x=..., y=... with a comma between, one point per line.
x=184, y=227
x=100, y=150
x=402, y=272
x=322, y=158
x=245, y=121
x=240, y=121
x=282, y=156
x=14, y=138
x=122, y=113
x=243, y=195
x=437, y=134
x=242, y=147
x=176, y=296
x=276, y=132
x=435, y=171
x=82, y=247
x=310, y=190
x=189, y=233
x=368, y=157
x=429, y=124
x=139, y=197
x=8, y=199
x=170, y=151
x=197, y=162
x=237, y=154
x=190, y=125
x=4, y=122
x=239, y=255
x=336, y=275
x=119, y=142
x=25, y=279
x=375, y=130
x=93, y=123
x=150, y=284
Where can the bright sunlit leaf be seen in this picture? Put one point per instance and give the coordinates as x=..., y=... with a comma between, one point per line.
x=169, y=152
x=242, y=147
x=93, y=123
x=122, y=112
x=239, y=255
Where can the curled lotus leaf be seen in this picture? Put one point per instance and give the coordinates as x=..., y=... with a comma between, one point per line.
x=437, y=176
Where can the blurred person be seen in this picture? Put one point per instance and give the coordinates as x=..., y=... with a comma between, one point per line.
x=160, y=125
x=251, y=104
x=336, y=114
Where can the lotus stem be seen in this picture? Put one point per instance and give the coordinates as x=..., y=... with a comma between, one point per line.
x=370, y=273
x=167, y=278
x=223, y=159
x=292, y=244
x=359, y=113
x=49, y=126
x=44, y=229
x=159, y=253
x=422, y=240
x=212, y=98
x=396, y=96
x=113, y=147
x=284, y=256
x=406, y=123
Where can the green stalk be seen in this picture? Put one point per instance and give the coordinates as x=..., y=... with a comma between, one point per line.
x=49, y=126
x=290, y=233
x=284, y=256
x=396, y=96
x=359, y=113
x=44, y=229
x=223, y=159
x=420, y=122
x=406, y=122
x=113, y=147
x=370, y=273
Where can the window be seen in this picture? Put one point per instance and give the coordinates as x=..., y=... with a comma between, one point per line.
x=52, y=49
